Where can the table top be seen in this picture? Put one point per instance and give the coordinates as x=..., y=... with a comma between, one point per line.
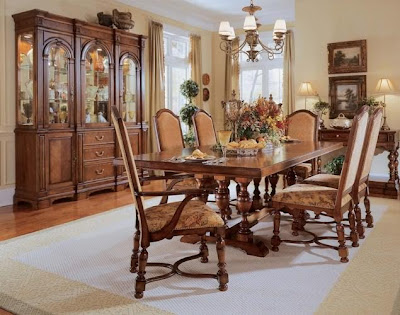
x=263, y=164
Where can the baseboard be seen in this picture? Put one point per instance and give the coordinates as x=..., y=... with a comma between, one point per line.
x=6, y=196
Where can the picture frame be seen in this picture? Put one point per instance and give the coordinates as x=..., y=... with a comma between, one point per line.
x=345, y=94
x=347, y=57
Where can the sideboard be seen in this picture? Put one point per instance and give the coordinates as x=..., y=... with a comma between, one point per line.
x=387, y=141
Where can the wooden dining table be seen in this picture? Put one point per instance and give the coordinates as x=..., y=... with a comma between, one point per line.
x=243, y=170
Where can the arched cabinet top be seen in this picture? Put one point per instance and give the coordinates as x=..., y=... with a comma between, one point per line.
x=94, y=43
x=59, y=43
x=129, y=55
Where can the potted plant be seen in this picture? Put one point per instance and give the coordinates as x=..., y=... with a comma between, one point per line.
x=371, y=102
x=189, y=89
x=321, y=108
x=335, y=165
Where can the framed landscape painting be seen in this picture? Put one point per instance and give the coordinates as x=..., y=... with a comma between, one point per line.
x=346, y=57
x=345, y=94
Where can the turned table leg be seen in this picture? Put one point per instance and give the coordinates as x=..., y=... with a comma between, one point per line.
x=392, y=163
x=291, y=176
x=257, y=201
x=273, y=179
x=244, y=205
x=319, y=163
x=222, y=196
x=267, y=197
x=203, y=182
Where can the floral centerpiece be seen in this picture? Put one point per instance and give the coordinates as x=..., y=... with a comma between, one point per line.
x=262, y=118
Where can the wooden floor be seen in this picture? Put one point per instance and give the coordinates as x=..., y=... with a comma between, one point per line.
x=21, y=220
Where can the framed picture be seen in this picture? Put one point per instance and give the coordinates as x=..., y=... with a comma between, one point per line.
x=345, y=93
x=347, y=57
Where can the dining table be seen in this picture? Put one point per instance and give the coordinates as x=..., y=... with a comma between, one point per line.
x=243, y=170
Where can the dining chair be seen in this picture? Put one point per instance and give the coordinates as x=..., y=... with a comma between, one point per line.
x=333, y=202
x=153, y=224
x=204, y=129
x=302, y=125
x=361, y=182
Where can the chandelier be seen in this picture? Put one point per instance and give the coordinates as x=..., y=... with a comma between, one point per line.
x=252, y=45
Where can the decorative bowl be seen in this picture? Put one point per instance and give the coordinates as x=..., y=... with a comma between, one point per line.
x=341, y=122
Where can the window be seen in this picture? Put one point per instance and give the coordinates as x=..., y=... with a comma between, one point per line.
x=264, y=77
x=177, y=67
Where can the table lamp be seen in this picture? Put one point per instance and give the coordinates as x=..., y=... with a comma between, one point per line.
x=384, y=87
x=306, y=90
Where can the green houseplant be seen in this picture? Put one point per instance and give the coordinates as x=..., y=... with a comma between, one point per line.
x=189, y=89
x=371, y=102
x=335, y=165
x=321, y=108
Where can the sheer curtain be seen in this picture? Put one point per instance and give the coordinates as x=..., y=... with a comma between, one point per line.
x=156, y=73
x=288, y=74
x=195, y=64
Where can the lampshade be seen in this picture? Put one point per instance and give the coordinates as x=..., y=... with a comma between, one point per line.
x=250, y=23
x=385, y=86
x=280, y=26
x=306, y=89
x=232, y=34
x=224, y=28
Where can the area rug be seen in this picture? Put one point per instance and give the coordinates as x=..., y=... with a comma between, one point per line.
x=83, y=267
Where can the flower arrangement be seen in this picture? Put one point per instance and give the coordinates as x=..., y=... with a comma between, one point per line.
x=261, y=118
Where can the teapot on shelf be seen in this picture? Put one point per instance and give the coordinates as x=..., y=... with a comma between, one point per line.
x=341, y=122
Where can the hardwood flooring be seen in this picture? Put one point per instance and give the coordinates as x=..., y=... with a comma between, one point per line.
x=21, y=220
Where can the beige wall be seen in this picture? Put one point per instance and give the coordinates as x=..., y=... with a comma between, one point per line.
x=321, y=22
x=81, y=9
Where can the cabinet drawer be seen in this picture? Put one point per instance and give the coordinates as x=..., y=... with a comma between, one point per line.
x=334, y=136
x=98, y=152
x=98, y=171
x=98, y=137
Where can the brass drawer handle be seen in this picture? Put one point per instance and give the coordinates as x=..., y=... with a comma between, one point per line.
x=100, y=172
x=99, y=154
x=100, y=138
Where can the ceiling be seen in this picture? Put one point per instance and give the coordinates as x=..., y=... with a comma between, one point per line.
x=207, y=14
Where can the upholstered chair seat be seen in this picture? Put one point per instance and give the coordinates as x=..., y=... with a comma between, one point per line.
x=310, y=196
x=195, y=215
x=328, y=180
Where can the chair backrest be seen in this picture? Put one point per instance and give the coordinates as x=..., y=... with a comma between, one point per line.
x=371, y=139
x=303, y=125
x=204, y=128
x=130, y=167
x=168, y=130
x=353, y=155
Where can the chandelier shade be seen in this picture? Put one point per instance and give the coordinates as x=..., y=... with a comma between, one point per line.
x=252, y=45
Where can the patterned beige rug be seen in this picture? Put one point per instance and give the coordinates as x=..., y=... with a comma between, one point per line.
x=82, y=267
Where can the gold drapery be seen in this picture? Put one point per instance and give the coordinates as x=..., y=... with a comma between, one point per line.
x=195, y=64
x=288, y=74
x=235, y=70
x=157, y=79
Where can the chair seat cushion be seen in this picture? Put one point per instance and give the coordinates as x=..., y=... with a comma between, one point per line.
x=303, y=170
x=195, y=215
x=309, y=195
x=186, y=183
x=328, y=180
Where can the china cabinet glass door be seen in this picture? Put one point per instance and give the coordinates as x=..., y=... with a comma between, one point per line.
x=26, y=108
x=97, y=85
x=129, y=90
x=58, y=85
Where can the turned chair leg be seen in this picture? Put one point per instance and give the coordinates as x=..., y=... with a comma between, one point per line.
x=368, y=218
x=296, y=222
x=203, y=250
x=343, y=250
x=360, y=226
x=134, y=257
x=353, y=230
x=276, y=240
x=140, y=279
x=222, y=274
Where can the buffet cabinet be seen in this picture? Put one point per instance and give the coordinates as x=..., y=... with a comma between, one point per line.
x=68, y=74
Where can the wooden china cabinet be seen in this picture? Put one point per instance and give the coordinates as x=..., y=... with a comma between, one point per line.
x=68, y=74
